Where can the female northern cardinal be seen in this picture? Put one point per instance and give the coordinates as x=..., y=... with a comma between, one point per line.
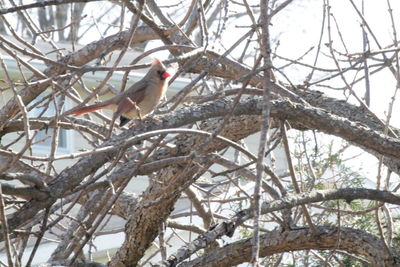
x=139, y=100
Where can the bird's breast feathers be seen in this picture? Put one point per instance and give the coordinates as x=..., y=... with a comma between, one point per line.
x=152, y=98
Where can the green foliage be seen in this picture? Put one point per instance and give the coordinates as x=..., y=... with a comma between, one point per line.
x=245, y=232
x=324, y=166
x=350, y=262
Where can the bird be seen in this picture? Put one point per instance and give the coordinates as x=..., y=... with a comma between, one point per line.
x=139, y=100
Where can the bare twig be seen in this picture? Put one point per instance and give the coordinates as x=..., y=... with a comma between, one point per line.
x=41, y=4
x=5, y=229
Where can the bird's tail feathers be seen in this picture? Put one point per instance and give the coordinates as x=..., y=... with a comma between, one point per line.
x=87, y=109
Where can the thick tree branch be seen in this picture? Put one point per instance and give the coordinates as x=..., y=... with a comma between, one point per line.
x=325, y=237
x=25, y=178
x=24, y=192
x=228, y=227
x=301, y=116
x=188, y=146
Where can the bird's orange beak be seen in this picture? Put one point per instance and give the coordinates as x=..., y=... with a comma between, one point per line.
x=165, y=75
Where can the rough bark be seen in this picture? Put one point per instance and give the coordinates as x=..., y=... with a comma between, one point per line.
x=299, y=115
x=325, y=237
x=177, y=166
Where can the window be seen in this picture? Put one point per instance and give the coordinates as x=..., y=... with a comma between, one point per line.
x=44, y=137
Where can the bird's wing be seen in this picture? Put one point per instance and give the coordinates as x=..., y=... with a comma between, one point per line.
x=137, y=91
x=131, y=97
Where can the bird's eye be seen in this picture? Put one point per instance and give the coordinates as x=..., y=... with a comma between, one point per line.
x=161, y=74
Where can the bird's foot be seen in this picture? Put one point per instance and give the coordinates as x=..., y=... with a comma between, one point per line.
x=154, y=119
x=134, y=123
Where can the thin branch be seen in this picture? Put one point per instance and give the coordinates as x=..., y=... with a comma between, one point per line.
x=266, y=109
x=41, y=4
x=39, y=238
x=5, y=230
x=293, y=175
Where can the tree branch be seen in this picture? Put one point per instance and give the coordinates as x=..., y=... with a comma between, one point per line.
x=289, y=201
x=325, y=237
x=297, y=114
x=86, y=54
x=41, y=4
